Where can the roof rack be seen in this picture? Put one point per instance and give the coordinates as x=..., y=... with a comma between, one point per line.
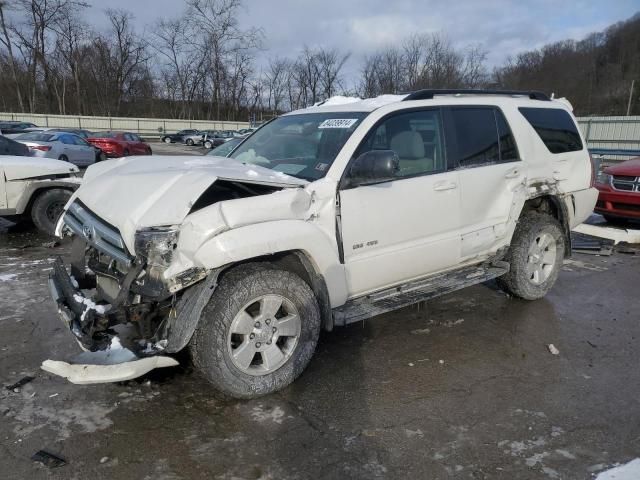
x=430, y=93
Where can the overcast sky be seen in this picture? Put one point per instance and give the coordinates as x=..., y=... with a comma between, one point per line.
x=503, y=27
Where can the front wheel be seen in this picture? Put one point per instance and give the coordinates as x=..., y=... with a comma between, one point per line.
x=535, y=256
x=189, y=142
x=47, y=208
x=166, y=139
x=258, y=332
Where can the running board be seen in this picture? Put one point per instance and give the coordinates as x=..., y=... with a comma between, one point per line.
x=417, y=291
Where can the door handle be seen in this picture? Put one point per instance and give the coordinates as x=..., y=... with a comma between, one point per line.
x=515, y=173
x=442, y=186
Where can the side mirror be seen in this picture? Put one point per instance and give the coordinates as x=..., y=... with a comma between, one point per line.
x=374, y=166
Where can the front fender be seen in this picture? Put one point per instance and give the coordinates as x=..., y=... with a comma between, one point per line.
x=251, y=241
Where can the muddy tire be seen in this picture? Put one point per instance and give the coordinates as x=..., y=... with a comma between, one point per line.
x=47, y=207
x=535, y=256
x=257, y=333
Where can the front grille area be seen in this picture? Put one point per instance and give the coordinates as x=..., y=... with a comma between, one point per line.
x=626, y=206
x=105, y=238
x=626, y=183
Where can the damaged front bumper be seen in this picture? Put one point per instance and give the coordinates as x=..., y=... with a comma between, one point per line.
x=112, y=352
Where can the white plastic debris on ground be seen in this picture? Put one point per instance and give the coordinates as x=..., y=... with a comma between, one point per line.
x=552, y=349
x=628, y=471
x=616, y=234
x=115, y=364
x=88, y=374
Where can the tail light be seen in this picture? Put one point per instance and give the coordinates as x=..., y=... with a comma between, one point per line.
x=42, y=148
x=593, y=170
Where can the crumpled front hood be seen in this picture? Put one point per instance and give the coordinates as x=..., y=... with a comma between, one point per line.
x=137, y=192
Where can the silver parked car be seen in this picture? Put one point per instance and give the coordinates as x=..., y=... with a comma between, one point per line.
x=64, y=146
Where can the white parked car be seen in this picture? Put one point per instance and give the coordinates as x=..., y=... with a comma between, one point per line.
x=35, y=189
x=64, y=146
x=323, y=217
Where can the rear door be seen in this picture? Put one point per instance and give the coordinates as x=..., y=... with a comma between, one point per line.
x=407, y=228
x=85, y=150
x=563, y=145
x=482, y=147
x=69, y=149
x=141, y=147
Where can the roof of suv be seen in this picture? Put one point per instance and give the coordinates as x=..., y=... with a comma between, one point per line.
x=353, y=104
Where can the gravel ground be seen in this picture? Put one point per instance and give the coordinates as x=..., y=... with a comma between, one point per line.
x=463, y=387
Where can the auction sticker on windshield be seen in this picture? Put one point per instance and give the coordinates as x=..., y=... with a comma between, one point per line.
x=338, y=123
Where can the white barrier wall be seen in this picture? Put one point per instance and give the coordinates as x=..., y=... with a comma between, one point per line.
x=147, y=127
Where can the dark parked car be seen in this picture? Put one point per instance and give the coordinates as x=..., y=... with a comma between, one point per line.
x=619, y=187
x=178, y=137
x=226, y=148
x=214, y=138
x=11, y=147
x=13, y=128
x=120, y=144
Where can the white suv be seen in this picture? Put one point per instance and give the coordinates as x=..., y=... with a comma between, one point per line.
x=323, y=217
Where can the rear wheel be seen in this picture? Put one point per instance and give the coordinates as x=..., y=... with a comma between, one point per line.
x=208, y=145
x=47, y=208
x=149, y=152
x=258, y=332
x=64, y=158
x=189, y=142
x=166, y=140
x=535, y=256
x=126, y=153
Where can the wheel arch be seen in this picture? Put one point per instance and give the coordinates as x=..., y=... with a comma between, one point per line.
x=555, y=206
x=180, y=328
x=36, y=189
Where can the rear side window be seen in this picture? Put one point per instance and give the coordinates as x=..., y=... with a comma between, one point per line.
x=480, y=136
x=555, y=127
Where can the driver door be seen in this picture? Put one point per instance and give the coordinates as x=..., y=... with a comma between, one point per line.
x=406, y=228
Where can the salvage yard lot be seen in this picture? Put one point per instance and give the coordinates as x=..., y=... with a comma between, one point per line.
x=463, y=387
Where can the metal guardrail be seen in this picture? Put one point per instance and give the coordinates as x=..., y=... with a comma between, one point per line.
x=147, y=127
x=614, y=152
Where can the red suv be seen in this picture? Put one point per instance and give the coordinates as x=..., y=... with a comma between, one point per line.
x=619, y=188
x=119, y=144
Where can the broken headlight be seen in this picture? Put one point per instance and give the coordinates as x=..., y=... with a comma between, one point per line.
x=603, y=178
x=156, y=245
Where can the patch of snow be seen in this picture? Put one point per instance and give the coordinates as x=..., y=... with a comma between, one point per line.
x=628, y=471
x=260, y=414
x=382, y=100
x=7, y=277
x=90, y=305
x=115, y=344
x=339, y=100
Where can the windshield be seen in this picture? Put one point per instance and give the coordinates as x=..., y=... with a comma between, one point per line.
x=302, y=146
